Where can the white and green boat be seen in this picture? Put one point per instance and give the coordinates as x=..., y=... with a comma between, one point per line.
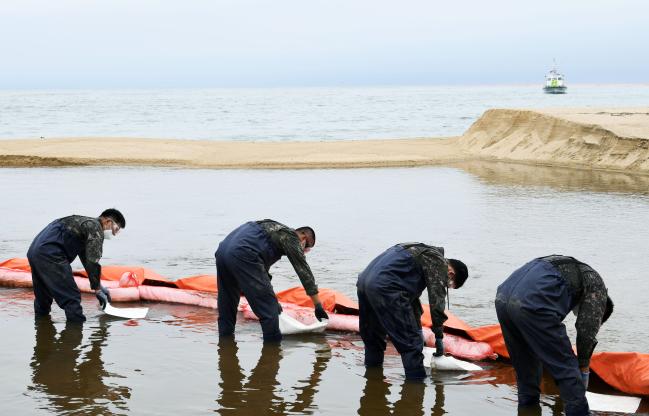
x=555, y=83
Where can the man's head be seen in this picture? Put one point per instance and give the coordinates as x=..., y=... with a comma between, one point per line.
x=609, y=309
x=112, y=219
x=307, y=238
x=457, y=273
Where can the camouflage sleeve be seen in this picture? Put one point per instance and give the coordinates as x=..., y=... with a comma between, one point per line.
x=291, y=246
x=589, y=317
x=93, y=251
x=93, y=270
x=436, y=274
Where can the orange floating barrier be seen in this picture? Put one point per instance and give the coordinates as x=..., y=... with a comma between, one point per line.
x=625, y=371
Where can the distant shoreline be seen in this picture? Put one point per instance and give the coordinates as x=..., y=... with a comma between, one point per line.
x=602, y=139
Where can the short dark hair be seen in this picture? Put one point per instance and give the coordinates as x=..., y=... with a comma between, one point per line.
x=609, y=309
x=309, y=233
x=114, y=215
x=461, y=272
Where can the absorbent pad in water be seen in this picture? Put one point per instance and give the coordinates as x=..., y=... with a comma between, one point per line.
x=446, y=363
x=609, y=403
x=289, y=325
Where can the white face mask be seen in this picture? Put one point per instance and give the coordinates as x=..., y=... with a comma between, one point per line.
x=305, y=249
x=108, y=234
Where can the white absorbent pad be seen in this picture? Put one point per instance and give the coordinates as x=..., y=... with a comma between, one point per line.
x=609, y=403
x=128, y=313
x=289, y=325
x=446, y=363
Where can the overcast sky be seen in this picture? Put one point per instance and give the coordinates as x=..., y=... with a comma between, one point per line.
x=219, y=43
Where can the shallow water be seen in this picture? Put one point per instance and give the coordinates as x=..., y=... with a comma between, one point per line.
x=495, y=217
x=173, y=363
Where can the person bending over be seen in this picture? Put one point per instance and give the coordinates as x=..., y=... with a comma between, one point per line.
x=531, y=305
x=243, y=260
x=388, y=298
x=56, y=247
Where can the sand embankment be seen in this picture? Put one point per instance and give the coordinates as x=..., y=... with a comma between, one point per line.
x=587, y=138
x=220, y=154
x=583, y=138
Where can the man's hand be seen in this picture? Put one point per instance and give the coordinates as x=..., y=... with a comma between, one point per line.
x=439, y=347
x=320, y=312
x=103, y=296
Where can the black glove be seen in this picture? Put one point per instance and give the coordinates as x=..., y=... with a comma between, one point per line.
x=103, y=296
x=439, y=347
x=320, y=312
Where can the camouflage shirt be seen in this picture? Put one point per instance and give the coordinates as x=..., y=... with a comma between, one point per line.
x=434, y=269
x=287, y=243
x=90, y=233
x=591, y=294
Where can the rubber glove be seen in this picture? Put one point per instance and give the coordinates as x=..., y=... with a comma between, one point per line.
x=103, y=296
x=439, y=347
x=584, y=378
x=320, y=312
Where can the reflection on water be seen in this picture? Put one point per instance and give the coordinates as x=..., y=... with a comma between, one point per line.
x=501, y=173
x=164, y=367
x=375, y=398
x=71, y=379
x=260, y=392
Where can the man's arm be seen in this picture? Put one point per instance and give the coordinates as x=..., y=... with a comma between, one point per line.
x=93, y=251
x=589, y=317
x=291, y=246
x=435, y=272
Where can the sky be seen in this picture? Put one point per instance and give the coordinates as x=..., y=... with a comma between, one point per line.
x=277, y=43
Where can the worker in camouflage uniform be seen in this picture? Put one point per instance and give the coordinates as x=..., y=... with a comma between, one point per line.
x=531, y=305
x=56, y=247
x=243, y=259
x=388, y=298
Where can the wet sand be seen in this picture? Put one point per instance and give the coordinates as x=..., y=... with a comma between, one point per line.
x=608, y=139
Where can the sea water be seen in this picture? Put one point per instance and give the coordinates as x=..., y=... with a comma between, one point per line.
x=495, y=217
x=278, y=114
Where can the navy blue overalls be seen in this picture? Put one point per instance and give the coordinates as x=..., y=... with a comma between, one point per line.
x=242, y=263
x=387, y=289
x=50, y=255
x=531, y=305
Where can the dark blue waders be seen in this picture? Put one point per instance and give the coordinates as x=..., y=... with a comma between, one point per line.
x=531, y=305
x=242, y=263
x=50, y=255
x=386, y=291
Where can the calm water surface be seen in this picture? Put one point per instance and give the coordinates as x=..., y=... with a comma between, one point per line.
x=283, y=113
x=495, y=217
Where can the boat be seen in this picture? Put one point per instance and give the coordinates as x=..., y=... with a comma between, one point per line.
x=555, y=82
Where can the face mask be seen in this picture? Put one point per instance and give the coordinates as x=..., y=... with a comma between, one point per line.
x=305, y=249
x=108, y=234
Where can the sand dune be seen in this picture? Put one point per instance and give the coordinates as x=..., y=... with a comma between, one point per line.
x=592, y=138
x=609, y=139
